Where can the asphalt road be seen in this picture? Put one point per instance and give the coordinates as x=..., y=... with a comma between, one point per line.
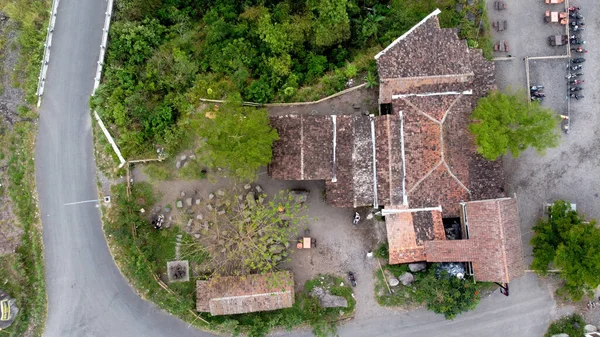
x=87, y=294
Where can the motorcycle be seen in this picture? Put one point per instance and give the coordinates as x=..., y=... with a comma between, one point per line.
x=575, y=89
x=538, y=94
x=574, y=75
x=574, y=9
x=352, y=278
x=577, y=41
x=577, y=23
x=536, y=88
x=578, y=60
x=577, y=67
x=577, y=28
x=356, y=218
x=576, y=96
x=535, y=98
x=576, y=82
x=579, y=50
x=576, y=16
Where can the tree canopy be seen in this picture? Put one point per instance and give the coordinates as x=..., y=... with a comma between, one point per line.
x=237, y=138
x=505, y=123
x=572, y=245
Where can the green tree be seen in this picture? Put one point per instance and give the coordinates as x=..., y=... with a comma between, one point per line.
x=332, y=24
x=247, y=235
x=572, y=245
x=238, y=139
x=507, y=122
x=447, y=295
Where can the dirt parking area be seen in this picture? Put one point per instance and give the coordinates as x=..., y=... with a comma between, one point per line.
x=341, y=246
x=569, y=171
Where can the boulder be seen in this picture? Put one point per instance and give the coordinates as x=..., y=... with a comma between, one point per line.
x=211, y=196
x=199, y=217
x=178, y=164
x=406, y=279
x=183, y=157
x=250, y=199
x=167, y=209
x=221, y=212
x=197, y=202
x=197, y=236
x=391, y=279
x=188, y=201
x=209, y=207
x=299, y=196
x=220, y=193
x=247, y=186
x=332, y=301
x=192, y=157
x=590, y=328
x=182, y=194
x=369, y=216
x=179, y=204
x=258, y=189
x=419, y=266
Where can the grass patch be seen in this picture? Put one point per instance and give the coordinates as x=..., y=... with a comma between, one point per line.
x=572, y=325
x=22, y=273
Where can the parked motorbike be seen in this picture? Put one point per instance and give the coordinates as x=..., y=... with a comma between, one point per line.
x=538, y=94
x=577, y=23
x=576, y=67
x=576, y=16
x=578, y=60
x=573, y=75
x=536, y=88
x=576, y=96
x=352, y=278
x=535, y=98
x=577, y=28
x=575, y=89
x=576, y=82
x=574, y=9
x=579, y=50
x=356, y=218
x=577, y=41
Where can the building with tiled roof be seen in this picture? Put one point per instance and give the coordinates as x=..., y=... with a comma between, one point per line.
x=242, y=294
x=417, y=160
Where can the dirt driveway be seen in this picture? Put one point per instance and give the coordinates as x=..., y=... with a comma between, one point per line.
x=571, y=171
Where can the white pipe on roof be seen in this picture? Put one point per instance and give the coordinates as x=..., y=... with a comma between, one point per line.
x=410, y=210
x=333, y=119
x=375, y=201
x=404, y=196
x=466, y=92
x=435, y=12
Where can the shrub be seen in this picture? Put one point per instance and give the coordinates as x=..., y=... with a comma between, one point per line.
x=572, y=325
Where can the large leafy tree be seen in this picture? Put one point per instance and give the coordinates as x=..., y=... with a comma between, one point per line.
x=572, y=245
x=507, y=122
x=237, y=138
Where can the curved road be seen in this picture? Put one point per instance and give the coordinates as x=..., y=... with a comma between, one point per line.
x=89, y=297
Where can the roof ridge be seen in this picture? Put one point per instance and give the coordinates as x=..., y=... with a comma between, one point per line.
x=425, y=19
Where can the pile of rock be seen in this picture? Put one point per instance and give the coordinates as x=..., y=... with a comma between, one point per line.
x=406, y=278
x=326, y=300
x=183, y=160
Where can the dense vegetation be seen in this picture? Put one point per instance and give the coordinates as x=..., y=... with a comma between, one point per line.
x=142, y=253
x=435, y=289
x=165, y=55
x=571, y=244
x=22, y=273
x=572, y=325
x=508, y=123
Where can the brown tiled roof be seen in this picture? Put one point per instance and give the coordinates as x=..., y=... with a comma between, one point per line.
x=426, y=51
x=407, y=232
x=242, y=294
x=494, y=244
x=341, y=192
x=304, y=150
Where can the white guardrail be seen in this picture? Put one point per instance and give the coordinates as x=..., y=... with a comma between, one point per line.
x=46, y=58
x=98, y=76
x=103, y=45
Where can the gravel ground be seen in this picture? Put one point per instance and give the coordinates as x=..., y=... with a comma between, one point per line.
x=569, y=171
